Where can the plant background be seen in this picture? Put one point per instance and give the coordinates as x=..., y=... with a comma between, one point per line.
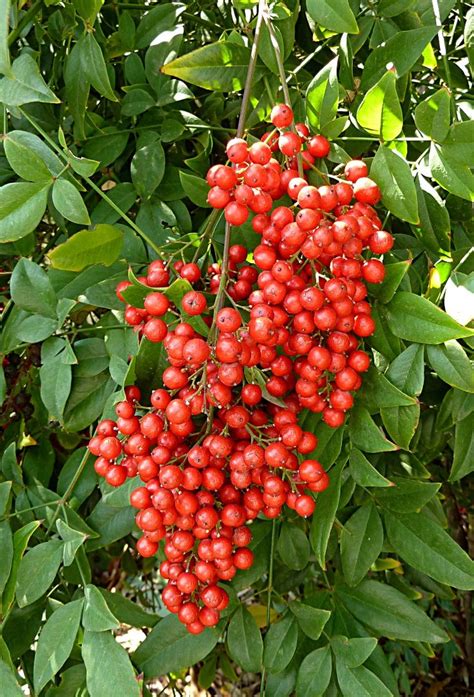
x=111, y=115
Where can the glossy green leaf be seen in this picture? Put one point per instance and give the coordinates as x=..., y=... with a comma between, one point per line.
x=55, y=642
x=395, y=179
x=365, y=434
x=311, y=620
x=433, y=115
x=107, y=665
x=5, y=490
x=314, y=673
x=127, y=611
x=73, y=539
x=170, y=648
x=359, y=681
x=221, y=66
x=435, y=226
x=6, y=559
x=452, y=175
x=24, y=161
x=451, y=363
x=325, y=514
x=22, y=205
x=96, y=616
x=402, y=50
x=280, y=644
x=378, y=392
x=463, y=460
x=380, y=113
x=322, y=96
x=68, y=201
x=158, y=19
x=389, y=613
x=148, y=168
x=10, y=686
x=94, y=67
x=31, y=289
x=401, y=423
x=415, y=318
x=363, y=472
x=394, y=275
x=196, y=188
x=407, y=370
x=293, y=546
x=244, y=641
x=353, y=652
x=408, y=495
x=102, y=245
x=20, y=542
x=37, y=571
x=361, y=543
x=335, y=15
x=4, y=27
x=422, y=543
x=24, y=84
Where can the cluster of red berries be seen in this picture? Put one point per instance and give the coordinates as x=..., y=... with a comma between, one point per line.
x=220, y=443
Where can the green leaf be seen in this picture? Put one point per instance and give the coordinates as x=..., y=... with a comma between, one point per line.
x=407, y=495
x=244, y=641
x=157, y=20
x=31, y=289
x=77, y=88
x=423, y=544
x=335, y=15
x=107, y=665
x=415, y=318
x=6, y=559
x=265, y=48
x=452, y=365
x=359, y=681
x=24, y=161
x=293, y=546
x=5, y=489
x=93, y=66
x=390, y=613
x=394, y=275
x=378, y=392
x=325, y=514
x=4, y=26
x=459, y=144
x=402, y=50
x=407, y=371
x=401, y=423
x=435, y=227
x=68, y=201
x=365, y=434
x=380, y=113
x=20, y=542
x=433, y=115
x=127, y=611
x=463, y=461
x=469, y=38
x=312, y=620
x=195, y=188
x=353, y=652
x=392, y=8
x=111, y=523
x=383, y=340
x=10, y=686
x=361, y=543
x=82, y=165
x=452, y=175
x=73, y=539
x=221, y=67
x=24, y=84
x=322, y=96
x=56, y=379
x=102, y=245
x=363, y=472
x=280, y=644
x=395, y=179
x=96, y=616
x=148, y=168
x=314, y=673
x=170, y=647
x=22, y=205
x=149, y=364
x=55, y=642
x=37, y=571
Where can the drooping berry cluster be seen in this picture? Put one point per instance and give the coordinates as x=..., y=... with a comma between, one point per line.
x=220, y=442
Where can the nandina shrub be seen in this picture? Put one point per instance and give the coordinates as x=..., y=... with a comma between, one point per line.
x=237, y=329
